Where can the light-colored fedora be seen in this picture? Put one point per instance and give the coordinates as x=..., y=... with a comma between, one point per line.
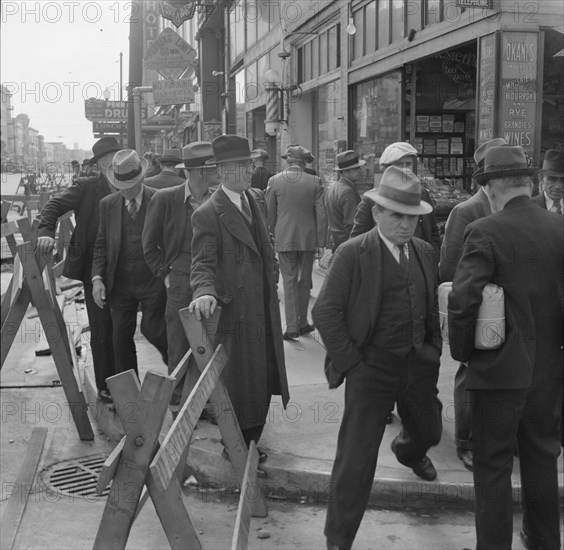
x=347, y=160
x=126, y=169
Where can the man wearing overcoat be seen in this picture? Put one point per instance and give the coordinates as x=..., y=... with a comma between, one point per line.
x=377, y=314
x=552, y=182
x=516, y=389
x=233, y=265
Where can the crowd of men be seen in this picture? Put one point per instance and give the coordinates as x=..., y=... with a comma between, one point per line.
x=210, y=225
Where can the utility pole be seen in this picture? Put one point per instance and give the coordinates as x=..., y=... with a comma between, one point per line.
x=135, y=69
x=121, y=76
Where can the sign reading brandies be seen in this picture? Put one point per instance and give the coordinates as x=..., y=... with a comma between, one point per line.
x=475, y=4
x=173, y=92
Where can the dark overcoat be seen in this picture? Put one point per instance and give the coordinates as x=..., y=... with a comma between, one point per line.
x=227, y=263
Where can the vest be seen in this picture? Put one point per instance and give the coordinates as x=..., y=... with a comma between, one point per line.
x=131, y=263
x=183, y=261
x=403, y=311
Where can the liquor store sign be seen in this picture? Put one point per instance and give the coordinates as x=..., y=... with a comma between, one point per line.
x=100, y=109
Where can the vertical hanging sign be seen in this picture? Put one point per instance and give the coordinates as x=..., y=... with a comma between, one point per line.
x=487, y=88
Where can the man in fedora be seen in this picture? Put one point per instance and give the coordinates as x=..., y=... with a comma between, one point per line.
x=377, y=314
x=297, y=219
x=233, y=265
x=168, y=176
x=515, y=390
x=404, y=155
x=476, y=207
x=121, y=279
x=167, y=239
x=552, y=182
x=261, y=174
x=342, y=197
x=83, y=197
x=154, y=168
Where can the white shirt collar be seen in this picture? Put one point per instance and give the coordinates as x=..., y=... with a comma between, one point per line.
x=550, y=202
x=138, y=199
x=234, y=197
x=393, y=248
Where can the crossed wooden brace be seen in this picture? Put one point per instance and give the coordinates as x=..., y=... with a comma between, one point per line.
x=139, y=460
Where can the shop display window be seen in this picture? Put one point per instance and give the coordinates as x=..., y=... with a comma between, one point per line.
x=329, y=128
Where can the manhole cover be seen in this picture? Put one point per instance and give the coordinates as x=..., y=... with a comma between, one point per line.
x=76, y=477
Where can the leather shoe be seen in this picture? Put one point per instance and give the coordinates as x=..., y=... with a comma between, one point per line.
x=290, y=336
x=425, y=469
x=467, y=457
x=105, y=396
x=306, y=330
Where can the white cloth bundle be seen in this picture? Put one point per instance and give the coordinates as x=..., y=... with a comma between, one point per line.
x=490, y=324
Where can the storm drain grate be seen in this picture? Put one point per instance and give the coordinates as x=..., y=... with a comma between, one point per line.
x=77, y=477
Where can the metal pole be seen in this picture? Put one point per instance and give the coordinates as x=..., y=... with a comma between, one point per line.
x=135, y=69
x=137, y=104
x=121, y=76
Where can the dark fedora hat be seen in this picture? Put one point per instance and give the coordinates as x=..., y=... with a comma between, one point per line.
x=347, y=160
x=553, y=163
x=231, y=148
x=104, y=146
x=197, y=155
x=480, y=153
x=171, y=155
x=502, y=161
x=400, y=191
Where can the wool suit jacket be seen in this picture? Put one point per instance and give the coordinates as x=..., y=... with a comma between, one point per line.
x=540, y=199
x=341, y=201
x=296, y=211
x=476, y=207
x=521, y=249
x=347, y=307
x=163, y=180
x=229, y=264
x=108, y=241
x=167, y=226
x=364, y=221
x=83, y=197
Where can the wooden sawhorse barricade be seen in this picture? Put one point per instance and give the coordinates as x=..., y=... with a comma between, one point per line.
x=32, y=283
x=139, y=460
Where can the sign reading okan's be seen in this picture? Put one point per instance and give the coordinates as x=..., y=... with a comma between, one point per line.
x=169, y=54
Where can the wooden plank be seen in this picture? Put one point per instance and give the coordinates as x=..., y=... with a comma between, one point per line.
x=249, y=490
x=168, y=457
x=56, y=334
x=180, y=370
x=15, y=508
x=197, y=334
x=109, y=467
x=141, y=419
x=12, y=317
x=19, y=198
x=9, y=228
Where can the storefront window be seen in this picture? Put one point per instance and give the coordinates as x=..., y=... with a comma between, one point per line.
x=236, y=30
x=383, y=23
x=370, y=25
x=328, y=129
x=433, y=12
x=397, y=20
x=376, y=119
x=552, y=135
x=358, y=36
x=240, y=115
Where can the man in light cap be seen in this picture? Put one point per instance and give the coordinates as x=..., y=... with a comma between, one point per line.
x=83, y=197
x=297, y=220
x=121, y=279
x=377, y=313
x=461, y=215
x=167, y=240
x=516, y=389
x=404, y=155
x=552, y=182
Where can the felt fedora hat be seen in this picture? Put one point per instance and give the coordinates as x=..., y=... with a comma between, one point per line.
x=347, y=160
x=198, y=154
x=171, y=155
x=502, y=161
x=126, y=169
x=553, y=163
x=231, y=148
x=108, y=144
x=262, y=153
x=480, y=153
x=396, y=151
x=400, y=191
x=298, y=152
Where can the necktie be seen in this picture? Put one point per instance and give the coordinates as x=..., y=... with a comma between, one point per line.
x=132, y=208
x=403, y=257
x=245, y=208
x=556, y=207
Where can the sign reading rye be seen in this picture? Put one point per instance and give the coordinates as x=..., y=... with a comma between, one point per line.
x=173, y=92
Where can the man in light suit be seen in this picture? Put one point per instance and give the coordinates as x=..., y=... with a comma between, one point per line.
x=552, y=183
x=477, y=206
x=342, y=197
x=297, y=219
x=233, y=265
x=377, y=314
x=516, y=390
x=120, y=275
x=168, y=176
x=167, y=241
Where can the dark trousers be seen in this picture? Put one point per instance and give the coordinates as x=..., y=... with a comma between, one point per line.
x=124, y=300
x=370, y=394
x=462, y=411
x=100, y=322
x=528, y=419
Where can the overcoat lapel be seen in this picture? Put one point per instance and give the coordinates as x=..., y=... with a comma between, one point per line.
x=372, y=277
x=179, y=217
